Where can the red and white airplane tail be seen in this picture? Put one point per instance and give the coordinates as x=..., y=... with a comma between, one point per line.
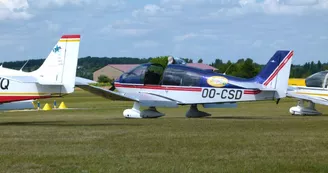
x=59, y=68
x=275, y=74
x=57, y=71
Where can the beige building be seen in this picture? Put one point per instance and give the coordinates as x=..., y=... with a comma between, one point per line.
x=114, y=71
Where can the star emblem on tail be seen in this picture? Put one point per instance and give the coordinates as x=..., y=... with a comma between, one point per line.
x=56, y=49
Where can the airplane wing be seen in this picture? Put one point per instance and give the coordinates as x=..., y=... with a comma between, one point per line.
x=83, y=81
x=317, y=99
x=145, y=99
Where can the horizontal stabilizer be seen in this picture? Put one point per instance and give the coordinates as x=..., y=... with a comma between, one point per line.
x=21, y=79
x=30, y=79
x=251, y=85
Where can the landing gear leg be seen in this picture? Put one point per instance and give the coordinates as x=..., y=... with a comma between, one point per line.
x=300, y=109
x=193, y=112
x=135, y=112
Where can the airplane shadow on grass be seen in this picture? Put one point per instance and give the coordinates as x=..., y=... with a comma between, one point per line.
x=240, y=118
x=64, y=124
x=263, y=118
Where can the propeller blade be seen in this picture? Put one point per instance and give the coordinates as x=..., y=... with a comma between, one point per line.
x=112, y=88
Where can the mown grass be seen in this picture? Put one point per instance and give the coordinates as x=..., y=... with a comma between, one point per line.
x=255, y=137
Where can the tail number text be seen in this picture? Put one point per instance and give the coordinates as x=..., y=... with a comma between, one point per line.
x=223, y=94
x=4, y=84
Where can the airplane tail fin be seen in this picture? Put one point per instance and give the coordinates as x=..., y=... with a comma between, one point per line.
x=275, y=73
x=59, y=68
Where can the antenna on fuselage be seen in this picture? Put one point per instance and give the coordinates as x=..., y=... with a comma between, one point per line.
x=24, y=65
x=227, y=69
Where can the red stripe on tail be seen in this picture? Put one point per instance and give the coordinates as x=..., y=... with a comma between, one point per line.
x=71, y=36
x=283, y=63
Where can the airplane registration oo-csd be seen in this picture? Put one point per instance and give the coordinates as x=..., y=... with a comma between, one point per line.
x=153, y=85
x=315, y=92
x=55, y=77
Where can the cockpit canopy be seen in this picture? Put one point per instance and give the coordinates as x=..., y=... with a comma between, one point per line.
x=319, y=79
x=156, y=74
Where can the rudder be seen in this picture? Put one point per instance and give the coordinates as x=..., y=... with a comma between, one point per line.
x=59, y=68
x=276, y=73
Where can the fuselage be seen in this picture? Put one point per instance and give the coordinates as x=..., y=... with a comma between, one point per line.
x=188, y=85
x=11, y=91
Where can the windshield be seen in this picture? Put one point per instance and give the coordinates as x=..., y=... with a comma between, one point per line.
x=135, y=75
x=316, y=80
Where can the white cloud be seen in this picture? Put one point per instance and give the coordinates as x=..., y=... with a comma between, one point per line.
x=51, y=3
x=21, y=9
x=323, y=37
x=153, y=10
x=257, y=43
x=184, y=2
x=14, y=9
x=273, y=7
x=146, y=44
x=148, y=10
x=184, y=37
x=202, y=34
x=278, y=44
x=112, y=30
x=300, y=2
x=52, y=26
x=60, y=3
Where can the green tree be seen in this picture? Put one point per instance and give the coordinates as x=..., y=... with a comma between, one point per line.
x=200, y=60
x=163, y=60
x=104, y=79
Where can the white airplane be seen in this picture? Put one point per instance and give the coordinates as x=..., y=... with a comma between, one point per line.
x=54, y=78
x=315, y=91
x=152, y=85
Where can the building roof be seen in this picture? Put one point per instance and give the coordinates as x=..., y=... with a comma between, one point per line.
x=123, y=67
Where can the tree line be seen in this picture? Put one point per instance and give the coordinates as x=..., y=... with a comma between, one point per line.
x=245, y=68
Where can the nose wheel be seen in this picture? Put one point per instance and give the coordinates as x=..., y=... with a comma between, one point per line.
x=135, y=112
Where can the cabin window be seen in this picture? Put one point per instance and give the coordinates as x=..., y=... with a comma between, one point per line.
x=154, y=74
x=180, y=77
x=316, y=80
x=136, y=75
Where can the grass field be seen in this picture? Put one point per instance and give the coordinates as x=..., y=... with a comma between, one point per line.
x=255, y=137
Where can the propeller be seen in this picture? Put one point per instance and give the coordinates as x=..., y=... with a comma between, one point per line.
x=112, y=88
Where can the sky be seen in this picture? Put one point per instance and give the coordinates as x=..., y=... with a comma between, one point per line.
x=207, y=29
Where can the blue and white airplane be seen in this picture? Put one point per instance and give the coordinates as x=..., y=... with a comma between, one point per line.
x=152, y=85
